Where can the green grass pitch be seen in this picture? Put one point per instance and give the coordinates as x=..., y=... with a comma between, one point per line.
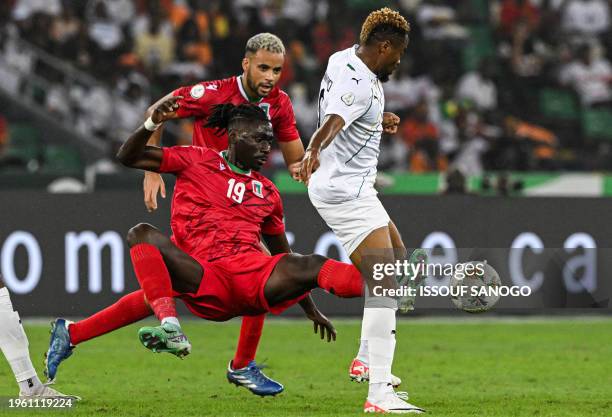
x=522, y=367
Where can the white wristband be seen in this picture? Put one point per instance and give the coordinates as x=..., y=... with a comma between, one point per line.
x=150, y=125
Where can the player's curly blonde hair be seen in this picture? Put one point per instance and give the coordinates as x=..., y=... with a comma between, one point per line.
x=385, y=21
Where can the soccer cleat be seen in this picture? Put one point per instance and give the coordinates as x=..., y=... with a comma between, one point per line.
x=391, y=404
x=359, y=372
x=60, y=348
x=406, y=303
x=165, y=338
x=252, y=378
x=48, y=392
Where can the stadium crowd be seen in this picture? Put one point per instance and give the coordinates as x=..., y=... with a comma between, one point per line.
x=485, y=85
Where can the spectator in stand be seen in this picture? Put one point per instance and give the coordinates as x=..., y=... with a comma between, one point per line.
x=542, y=143
x=25, y=9
x=515, y=11
x=130, y=104
x=590, y=77
x=155, y=46
x=106, y=39
x=586, y=17
x=65, y=30
x=421, y=137
x=120, y=11
x=478, y=86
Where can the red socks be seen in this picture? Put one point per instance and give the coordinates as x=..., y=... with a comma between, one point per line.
x=129, y=309
x=154, y=279
x=250, y=333
x=340, y=279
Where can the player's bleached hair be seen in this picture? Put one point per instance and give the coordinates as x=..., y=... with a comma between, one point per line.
x=382, y=24
x=266, y=41
x=224, y=115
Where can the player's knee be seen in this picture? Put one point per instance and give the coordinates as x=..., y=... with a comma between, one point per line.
x=141, y=233
x=311, y=264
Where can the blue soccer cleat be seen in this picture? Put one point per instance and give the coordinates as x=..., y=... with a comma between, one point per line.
x=60, y=348
x=254, y=380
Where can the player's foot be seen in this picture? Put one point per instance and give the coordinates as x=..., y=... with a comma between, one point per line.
x=60, y=348
x=391, y=404
x=47, y=392
x=359, y=372
x=165, y=338
x=252, y=378
x=406, y=303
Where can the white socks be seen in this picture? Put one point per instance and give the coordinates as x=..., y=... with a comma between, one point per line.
x=171, y=320
x=363, y=355
x=14, y=345
x=379, y=330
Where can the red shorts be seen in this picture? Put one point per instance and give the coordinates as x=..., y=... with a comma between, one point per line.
x=234, y=286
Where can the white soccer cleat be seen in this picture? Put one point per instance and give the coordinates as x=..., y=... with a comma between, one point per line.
x=360, y=372
x=391, y=404
x=47, y=392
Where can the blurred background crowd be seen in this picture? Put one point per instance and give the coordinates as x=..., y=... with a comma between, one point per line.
x=511, y=85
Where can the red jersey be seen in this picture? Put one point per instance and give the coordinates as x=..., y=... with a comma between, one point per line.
x=217, y=211
x=199, y=99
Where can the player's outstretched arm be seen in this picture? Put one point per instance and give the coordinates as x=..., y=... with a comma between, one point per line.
x=321, y=324
x=322, y=137
x=135, y=153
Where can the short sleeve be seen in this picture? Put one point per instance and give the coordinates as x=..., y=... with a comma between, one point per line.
x=178, y=158
x=284, y=125
x=274, y=224
x=196, y=100
x=349, y=100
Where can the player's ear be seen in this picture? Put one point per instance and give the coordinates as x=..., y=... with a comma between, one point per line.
x=384, y=46
x=245, y=64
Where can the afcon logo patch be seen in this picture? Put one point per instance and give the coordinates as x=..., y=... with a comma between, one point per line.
x=197, y=91
x=348, y=98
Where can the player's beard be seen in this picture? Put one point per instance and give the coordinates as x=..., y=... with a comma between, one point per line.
x=254, y=87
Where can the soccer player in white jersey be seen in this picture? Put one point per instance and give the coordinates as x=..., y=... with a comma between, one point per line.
x=14, y=346
x=339, y=167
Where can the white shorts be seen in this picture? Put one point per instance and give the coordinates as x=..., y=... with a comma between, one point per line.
x=352, y=221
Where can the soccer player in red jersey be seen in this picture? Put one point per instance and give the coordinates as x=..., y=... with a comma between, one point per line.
x=262, y=66
x=213, y=261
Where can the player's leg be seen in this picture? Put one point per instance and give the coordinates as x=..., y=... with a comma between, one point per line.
x=379, y=320
x=66, y=335
x=161, y=267
x=296, y=274
x=14, y=346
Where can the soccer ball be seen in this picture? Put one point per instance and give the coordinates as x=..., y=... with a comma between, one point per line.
x=473, y=286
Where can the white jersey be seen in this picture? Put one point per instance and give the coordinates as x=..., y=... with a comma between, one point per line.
x=348, y=165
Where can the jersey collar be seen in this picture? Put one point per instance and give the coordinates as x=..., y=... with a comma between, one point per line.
x=358, y=63
x=232, y=166
x=244, y=93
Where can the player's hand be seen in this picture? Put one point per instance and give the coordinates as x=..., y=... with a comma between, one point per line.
x=390, y=123
x=322, y=325
x=166, y=110
x=309, y=164
x=153, y=183
x=294, y=170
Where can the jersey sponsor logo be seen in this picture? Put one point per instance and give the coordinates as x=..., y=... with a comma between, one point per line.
x=197, y=91
x=212, y=87
x=348, y=99
x=257, y=188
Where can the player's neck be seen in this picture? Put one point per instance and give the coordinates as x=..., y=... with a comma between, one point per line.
x=234, y=165
x=367, y=57
x=251, y=95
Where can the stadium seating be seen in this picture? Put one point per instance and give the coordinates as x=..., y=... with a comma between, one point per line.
x=597, y=124
x=62, y=159
x=24, y=143
x=559, y=105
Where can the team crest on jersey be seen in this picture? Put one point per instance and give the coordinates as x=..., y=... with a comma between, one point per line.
x=265, y=107
x=348, y=99
x=257, y=188
x=221, y=166
x=197, y=91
